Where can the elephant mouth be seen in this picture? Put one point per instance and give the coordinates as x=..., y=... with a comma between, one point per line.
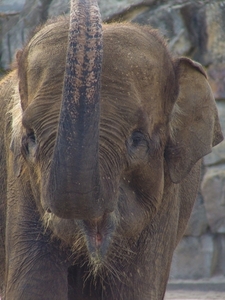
x=98, y=234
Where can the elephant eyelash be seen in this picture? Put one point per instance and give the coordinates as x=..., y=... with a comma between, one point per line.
x=29, y=144
x=31, y=136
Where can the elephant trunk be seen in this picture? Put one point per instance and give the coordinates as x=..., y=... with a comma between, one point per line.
x=74, y=179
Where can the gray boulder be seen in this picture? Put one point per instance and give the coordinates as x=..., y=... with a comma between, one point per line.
x=194, y=258
x=213, y=191
x=197, y=224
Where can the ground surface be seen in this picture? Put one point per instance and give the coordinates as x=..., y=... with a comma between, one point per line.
x=213, y=289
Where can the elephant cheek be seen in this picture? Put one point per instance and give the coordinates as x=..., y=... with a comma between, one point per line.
x=140, y=201
x=44, y=195
x=155, y=188
x=150, y=186
x=133, y=216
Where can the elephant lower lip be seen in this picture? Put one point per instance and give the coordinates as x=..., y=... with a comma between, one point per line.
x=98, y=247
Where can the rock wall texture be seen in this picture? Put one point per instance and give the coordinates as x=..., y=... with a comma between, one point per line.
x=195, y=29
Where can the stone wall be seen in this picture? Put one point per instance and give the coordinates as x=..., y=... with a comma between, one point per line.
x=195, y=29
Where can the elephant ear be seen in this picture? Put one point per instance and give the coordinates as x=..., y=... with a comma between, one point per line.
x=194, y=123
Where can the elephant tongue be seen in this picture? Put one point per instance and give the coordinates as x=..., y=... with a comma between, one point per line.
x=98, y=239
x=98, y=233
x=96, y=244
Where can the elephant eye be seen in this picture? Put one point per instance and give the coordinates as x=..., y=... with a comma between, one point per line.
x=138, y=145
x=29, y=144
x=31, y=137
x=137, y=138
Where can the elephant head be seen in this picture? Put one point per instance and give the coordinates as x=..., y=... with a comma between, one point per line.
x=110, y=127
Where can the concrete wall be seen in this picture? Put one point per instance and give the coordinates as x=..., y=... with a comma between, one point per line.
x=195, y=29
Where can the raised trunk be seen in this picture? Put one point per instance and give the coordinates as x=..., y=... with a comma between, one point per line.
x=74, y=179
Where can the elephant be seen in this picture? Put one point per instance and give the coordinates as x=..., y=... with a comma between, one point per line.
x=102, y=135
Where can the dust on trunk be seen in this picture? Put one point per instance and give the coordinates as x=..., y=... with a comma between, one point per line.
x=74, y=179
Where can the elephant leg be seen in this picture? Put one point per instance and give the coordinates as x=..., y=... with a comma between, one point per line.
x=2, y=234
x=2, y=247
x=35, y=266
x=34, y=270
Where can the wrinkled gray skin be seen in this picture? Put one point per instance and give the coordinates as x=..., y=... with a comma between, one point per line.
x=100, y=163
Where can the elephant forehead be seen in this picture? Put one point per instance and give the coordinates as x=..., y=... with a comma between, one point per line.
x=136, y=68
x=131, y=48
x=45, y=71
